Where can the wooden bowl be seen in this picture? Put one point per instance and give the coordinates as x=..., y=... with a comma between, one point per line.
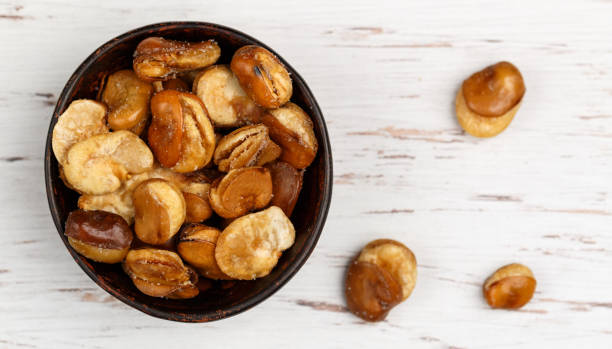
x=221, y=300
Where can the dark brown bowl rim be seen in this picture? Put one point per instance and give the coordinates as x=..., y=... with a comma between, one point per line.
x=324, y=149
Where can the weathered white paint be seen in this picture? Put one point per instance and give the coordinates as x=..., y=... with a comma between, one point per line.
x=385, y=75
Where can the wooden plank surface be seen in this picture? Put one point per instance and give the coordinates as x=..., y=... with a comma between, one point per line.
x=385, y=75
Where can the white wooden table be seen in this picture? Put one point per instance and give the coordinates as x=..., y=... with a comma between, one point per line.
x=385, y=75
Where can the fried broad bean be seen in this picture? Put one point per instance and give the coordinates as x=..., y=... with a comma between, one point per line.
x=241, y=191
x=120, y=201
x=489, y=99
x=197, y=245
x=382, y=276
x=227, y=103
x=189, y=289
x=494, y=90
x=127, y=97
x=159, y=211
x=262, y=75
x=371, y=292
x=395, y=258
x=82, y=119
x=251, y=245
x=159, y=273
x=292, y=129
x=510, y=287
x=286, y=185
x=160, y=59
x=100, y=236
x=181, y=134
x=100, y=164
x=196, y=202
x=244, y=147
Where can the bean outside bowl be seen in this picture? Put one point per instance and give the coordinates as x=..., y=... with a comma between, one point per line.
x=308, y=217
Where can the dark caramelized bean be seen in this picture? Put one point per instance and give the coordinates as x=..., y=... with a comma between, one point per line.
x=287, y=184
x=98, y=235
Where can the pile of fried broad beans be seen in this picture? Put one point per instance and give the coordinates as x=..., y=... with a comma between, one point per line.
x=186, y=169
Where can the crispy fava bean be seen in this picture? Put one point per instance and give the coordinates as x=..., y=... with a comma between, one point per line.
x=160, y=59
x=197, y=245
x=371, y=292
x=227, y=103
x=158, y=273
x=196, y=202
x=262, y=75
x=292, y=129
x=100, y=164
x=287, y=184
x=82, y=119
x=494, y=90
x=189, y=289
x=181, y=134
x=100, y=236
x=156, y=265
x=395, y=258
x=244, y=147
x=127, y=97
x=241, y=191
x=489, y=99
x=482, y=126
x=120, y=201
x=251, y=245
x=159, y=211
x=166, y=131
x=510, y=287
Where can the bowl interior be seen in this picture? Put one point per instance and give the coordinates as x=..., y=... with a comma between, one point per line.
x=221, y=300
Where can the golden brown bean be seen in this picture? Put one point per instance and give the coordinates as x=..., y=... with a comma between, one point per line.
x=189, y=289
x=160, y=59
x=241, y=191
x=246, y=146
x=100, y=164
x=181, y=134
x=196, y=202
x=127, y=98
x=262, y=76
x=159, y=273
x=159, y=211
x=488, y=100
x=371, y=292
x=197, y=245
x=82, y=119
x=292, y=129
x=510, y=287
x=395, y=258
x=251, y=245
x=227, y=103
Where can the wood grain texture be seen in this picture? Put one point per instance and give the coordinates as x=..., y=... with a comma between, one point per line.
x=385, y=76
